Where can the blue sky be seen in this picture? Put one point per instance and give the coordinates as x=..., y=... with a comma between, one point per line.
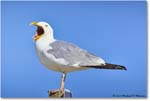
x=115, y=31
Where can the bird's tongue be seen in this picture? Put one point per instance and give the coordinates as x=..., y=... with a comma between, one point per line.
x=35, y=35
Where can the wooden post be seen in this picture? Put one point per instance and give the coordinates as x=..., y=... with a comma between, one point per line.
x=66, y=94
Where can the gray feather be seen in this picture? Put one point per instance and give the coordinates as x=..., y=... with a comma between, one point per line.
x=72, y=53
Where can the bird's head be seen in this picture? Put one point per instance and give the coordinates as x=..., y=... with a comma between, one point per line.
x=43, y=29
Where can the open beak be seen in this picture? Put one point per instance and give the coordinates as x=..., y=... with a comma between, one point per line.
x=39, y=31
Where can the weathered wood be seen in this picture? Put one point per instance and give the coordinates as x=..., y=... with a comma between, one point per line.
x=57, y=94
x=60, y=94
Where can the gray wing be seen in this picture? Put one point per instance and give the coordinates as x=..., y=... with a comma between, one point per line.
x=74, y=55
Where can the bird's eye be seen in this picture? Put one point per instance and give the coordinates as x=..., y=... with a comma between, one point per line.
x=46, y=25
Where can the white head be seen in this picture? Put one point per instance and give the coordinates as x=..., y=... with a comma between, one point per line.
x=43, y=30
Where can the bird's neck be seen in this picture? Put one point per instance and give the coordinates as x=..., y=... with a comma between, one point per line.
x=44, y=41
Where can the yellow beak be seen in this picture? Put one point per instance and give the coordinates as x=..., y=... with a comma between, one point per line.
x=34, y=23
x=36, y=36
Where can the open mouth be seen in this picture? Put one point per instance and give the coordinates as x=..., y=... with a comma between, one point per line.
x=39, y=33
x=39, y=30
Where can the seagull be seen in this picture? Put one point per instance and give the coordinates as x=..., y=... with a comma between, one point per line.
x=64, y=57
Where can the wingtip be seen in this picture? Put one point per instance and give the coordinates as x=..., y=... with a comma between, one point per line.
x=124, y=68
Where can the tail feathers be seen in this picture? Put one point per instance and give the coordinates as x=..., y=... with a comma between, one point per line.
x=108, y=66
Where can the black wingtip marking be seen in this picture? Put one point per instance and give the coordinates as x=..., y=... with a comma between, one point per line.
x=108, y=66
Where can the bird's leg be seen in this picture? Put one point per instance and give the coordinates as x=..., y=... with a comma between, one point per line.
x=63, y=82
x=60, y=91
